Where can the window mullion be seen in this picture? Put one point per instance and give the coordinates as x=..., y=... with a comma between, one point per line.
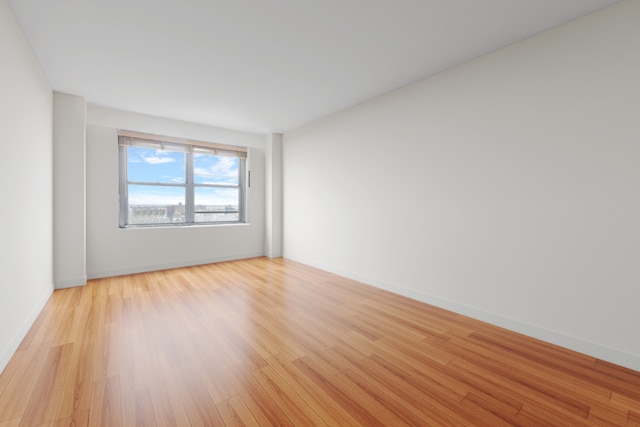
x=190, y=197
x=123, y=190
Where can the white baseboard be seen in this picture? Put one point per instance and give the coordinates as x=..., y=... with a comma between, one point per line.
x=64, y=284
x=8, y=352
x=592, y=349
x=167, y=266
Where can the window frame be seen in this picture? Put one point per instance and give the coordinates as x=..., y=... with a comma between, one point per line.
x=190, y=148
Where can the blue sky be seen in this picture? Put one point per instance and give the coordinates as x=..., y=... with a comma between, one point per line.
x=168, y=167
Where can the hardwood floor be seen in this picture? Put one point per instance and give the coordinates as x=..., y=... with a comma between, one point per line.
x=265, y=342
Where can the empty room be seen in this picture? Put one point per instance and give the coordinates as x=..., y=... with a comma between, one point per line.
x=336, y=213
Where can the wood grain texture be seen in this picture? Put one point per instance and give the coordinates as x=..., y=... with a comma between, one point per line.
x=264, y=342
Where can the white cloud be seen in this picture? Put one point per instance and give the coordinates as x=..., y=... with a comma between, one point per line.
x=218, y=197
x=155, y=160
x=225, y=166
x=151, y=195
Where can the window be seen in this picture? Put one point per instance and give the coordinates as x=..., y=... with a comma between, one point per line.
x=167, y=180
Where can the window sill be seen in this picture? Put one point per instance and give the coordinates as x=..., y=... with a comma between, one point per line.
x=183, y=227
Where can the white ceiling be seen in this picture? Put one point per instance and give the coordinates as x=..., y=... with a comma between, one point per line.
x=266, y=65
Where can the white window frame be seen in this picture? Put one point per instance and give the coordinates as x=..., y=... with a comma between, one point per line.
x=189, y=147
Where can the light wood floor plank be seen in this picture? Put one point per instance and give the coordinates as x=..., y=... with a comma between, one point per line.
x=11, y=423
x=264, y=342
x=23, y=382
x=236, y=414
x=319, y=401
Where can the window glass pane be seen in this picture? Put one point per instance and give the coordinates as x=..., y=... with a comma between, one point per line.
x=211, y=169
x=150, y=204
x=216, y=204
x=146, y=164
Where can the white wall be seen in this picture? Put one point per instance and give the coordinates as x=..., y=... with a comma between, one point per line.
x=112, y=251
x=25, y=186
x=69, y=224
x=273, y=197
x=507, y=188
